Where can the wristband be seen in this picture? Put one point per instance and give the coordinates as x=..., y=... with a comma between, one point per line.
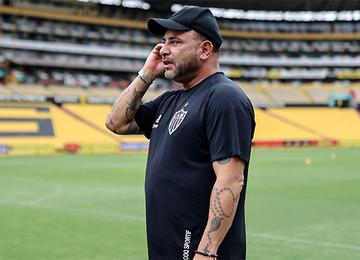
x=206, y=254
x=146, y=80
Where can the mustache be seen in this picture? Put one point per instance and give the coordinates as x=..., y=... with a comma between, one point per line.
x=166, y=61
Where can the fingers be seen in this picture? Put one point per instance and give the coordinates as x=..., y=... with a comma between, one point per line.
x=153, y=65
x=157, y=48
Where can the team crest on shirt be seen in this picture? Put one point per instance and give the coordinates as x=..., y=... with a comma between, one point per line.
x=177, y=119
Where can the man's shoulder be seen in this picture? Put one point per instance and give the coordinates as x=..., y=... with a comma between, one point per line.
x=223, y=87
x=223, y=92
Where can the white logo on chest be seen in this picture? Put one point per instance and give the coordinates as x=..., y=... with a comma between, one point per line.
x=177, y=119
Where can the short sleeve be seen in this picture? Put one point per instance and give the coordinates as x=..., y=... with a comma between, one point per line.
x=145, y=116
x=229, y=124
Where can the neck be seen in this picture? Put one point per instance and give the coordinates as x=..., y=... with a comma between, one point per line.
x=200, y=76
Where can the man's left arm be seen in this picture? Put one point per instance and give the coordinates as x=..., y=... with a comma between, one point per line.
x=223, y=204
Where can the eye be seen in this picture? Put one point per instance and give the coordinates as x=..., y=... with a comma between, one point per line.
x=174, y=42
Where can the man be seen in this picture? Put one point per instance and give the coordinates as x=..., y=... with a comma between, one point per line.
x=200, y=142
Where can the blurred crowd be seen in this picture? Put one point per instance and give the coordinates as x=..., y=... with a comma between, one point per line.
x=46, y=51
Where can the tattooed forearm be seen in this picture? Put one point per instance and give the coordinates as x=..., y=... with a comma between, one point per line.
x=134, y=104
x=219, y=209
x=222, y=206
x=215, y=223
x=208, y=243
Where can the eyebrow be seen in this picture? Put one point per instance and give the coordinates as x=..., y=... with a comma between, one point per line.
x=172, y=38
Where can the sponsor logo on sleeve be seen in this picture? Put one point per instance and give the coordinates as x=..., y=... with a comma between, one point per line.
x=157, y=121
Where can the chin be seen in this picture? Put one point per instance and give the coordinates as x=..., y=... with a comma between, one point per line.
x=169, y=75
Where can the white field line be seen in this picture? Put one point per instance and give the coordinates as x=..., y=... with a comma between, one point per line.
x=116, y=216
x=54, y=193
x=70, y=210
x=296, y=240
x=43, y=202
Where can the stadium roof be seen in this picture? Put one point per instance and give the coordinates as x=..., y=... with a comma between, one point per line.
x=269, y=5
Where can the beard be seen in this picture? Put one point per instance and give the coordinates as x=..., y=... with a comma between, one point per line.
x=184, y=72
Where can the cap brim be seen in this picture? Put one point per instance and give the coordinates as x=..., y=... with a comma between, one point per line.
x=159, y=26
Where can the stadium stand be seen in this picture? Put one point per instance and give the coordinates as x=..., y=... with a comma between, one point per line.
x=83, y=42
x=35, y=128
x=321, y=93
x=286, y=94
x=59, y=129
x=327, y=123
x=281, y=127
x=256, y=94
x=271, y=129
x=355, y=92
x=65, y=127
x=37, y=90
x=74, y=58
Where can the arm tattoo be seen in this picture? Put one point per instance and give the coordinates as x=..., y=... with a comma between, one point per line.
x=224, y=161
x=219, y=211
x=215, y=223
x=117, y=101
x=134, y=104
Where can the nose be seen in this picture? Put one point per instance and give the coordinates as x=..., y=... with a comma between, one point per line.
x=164, y=51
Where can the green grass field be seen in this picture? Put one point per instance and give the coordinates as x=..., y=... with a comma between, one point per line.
x=92, y=207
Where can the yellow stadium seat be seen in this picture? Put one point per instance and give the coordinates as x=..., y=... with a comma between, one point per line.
x=271, y=128
x=333, y=123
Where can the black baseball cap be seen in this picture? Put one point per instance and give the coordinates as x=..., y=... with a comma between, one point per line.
x=194, y=18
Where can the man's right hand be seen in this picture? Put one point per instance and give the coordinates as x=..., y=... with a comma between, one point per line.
x=154, y=67
x=121, y=118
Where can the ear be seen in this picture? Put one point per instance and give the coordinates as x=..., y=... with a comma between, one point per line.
x=206, y=49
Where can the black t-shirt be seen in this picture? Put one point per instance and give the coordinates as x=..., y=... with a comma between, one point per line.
x=188, y=130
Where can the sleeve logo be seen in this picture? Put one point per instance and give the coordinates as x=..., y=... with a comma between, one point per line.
x=156, y=124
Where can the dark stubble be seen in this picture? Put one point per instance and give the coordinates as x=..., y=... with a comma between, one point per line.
x=186, y=71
